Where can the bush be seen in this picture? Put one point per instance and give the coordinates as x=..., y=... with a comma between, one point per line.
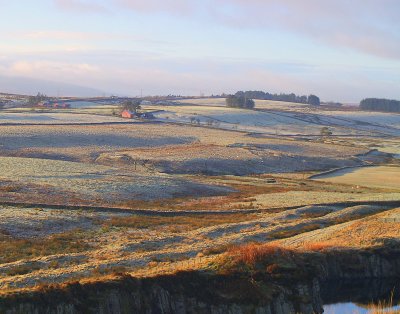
x=253, y=253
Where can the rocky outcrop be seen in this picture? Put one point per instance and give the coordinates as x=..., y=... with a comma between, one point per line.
x=354, y=264
x=184, y=293
x=197, y=292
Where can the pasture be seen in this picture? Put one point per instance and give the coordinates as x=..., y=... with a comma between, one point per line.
x=85, y=193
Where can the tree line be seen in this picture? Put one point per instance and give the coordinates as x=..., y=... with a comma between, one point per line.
x=34, y=100
x=311, y=99
x=380, y=104
x=239, y=101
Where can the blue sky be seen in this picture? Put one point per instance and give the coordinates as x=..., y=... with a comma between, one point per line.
x=340, y=50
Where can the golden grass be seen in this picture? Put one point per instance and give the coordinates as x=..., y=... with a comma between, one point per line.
x=180, y=223
x=375, y=177
x=253, y=253
x=291, y=232
x=319, y=246
x=9, y=188
x=242, y=198
x=17, y=249
x=383, y=306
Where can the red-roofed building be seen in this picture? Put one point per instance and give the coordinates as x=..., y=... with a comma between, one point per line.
x=127, y=114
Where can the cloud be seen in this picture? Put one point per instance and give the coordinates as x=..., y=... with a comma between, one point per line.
x=56, y=35
x=368, y=26
x=43, y=68
x=181, y=7
x=126, y=72
x=81, y=6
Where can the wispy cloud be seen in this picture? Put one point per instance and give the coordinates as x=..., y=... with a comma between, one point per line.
x=366, y=26
x=128, y=72
x=82, y=6
x=181, y=7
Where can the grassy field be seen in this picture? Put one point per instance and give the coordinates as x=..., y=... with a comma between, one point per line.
x=185, y=192
x=378, y=177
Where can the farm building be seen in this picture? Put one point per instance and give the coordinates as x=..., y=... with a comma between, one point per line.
x=43, y=104
x=127, y=114
x=147, y=115
x=61, y=105
x=55, y=105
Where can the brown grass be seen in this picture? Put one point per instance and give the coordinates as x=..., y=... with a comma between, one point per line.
x=9, y=188
x=252, y=253
x=22, y=269
x=383, y=306
x=17, y=249
x=319, y=246
x=244, y=193
x=177, y=223
x=291, y=232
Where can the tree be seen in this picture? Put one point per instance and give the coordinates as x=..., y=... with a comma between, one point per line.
x=313, y=100
x=34, y=100
x=131, y=105
x=380, y=104
x=239, y=101
x=268, y=96
x=325, y=131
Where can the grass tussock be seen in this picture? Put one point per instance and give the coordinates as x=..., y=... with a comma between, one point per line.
x=266, y=259
x=22, y=269
x=319, y=246
x=383, y=306
x=242, y=193
x=253, y=253
x=270, y=258
x=177, y=223
x=291, y=232
x=17, y=249
x=9, y=188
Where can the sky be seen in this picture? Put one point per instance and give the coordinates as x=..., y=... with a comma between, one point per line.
x=339, y=50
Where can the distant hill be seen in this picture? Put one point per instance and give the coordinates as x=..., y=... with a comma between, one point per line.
x=29, y=86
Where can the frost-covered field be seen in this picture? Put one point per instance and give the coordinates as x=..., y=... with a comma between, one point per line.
x=237, y=119
x=283, y=118
x=260, y=104
x=55, y=118
x=89, y=181
x=270, y=117
x=183, y=168
x=377, y=177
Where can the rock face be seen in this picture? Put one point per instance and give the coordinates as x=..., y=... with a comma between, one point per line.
x=195, y=292
x=169, y=295
x=377, y=264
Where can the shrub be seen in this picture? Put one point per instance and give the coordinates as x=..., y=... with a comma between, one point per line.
x=318, y=246
x=253, y=253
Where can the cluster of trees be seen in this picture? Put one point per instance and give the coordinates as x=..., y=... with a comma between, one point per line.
x=239, y=101
x=380, y=104
x=325, y=131
x=311, y=99
x=34, y=100
x=132, y=105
